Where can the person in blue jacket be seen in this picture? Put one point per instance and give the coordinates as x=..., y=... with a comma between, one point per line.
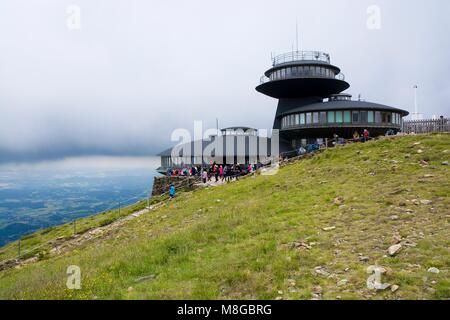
x=172, y=191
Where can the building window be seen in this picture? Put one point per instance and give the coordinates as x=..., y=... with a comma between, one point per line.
x=302, y=119
x=308, y=118
x=297, y=119
x=315, y=117
x=330, y=116
x=323, y=117
x=386, y=117
x=378, y=118
x=355, y=116
x=370, y=117
x=363, y=117
x=347, y=117
x=339, y=118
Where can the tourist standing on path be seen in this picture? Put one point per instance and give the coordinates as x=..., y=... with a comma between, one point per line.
x=172, y=191
x=205, y=175
x=221, y=172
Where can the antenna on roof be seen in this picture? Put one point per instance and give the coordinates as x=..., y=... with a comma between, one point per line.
x=296, y=32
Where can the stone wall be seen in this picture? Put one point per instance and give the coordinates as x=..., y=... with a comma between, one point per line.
x=161, y=184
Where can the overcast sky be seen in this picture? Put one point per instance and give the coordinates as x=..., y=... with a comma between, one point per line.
x=136, y=70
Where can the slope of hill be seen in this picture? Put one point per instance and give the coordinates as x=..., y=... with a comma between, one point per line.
x=311, y=231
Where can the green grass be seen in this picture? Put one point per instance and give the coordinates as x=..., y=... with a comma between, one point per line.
x=234, y=241
x=40, y=242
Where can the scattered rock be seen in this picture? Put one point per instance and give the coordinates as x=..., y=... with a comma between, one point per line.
x=434, y=270
x=130, y=289
x=397, y=238
x=395, y=217
x=291, y=283
x=394, y=161
x=301, y=246
x=338, y=200
x=393, y=250
x=321, y=271
x=420, y=151
x=317, y=289
x=279, y=298
x=146, y=278
x=329, y=228
x=407, y=156
x=426, y=202
x=394, y=288
x=445, y=163
x=342, y=282
x=364, y=258
x=423, y=162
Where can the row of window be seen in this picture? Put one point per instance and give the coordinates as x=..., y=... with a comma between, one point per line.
x=304, y=71
x=346, y=116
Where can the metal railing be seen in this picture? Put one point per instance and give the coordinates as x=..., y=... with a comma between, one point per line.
x=427, y=126
x=300, y=56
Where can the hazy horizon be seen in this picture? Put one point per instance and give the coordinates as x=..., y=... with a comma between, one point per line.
x=115, y=78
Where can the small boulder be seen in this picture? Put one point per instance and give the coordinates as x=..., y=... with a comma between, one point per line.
x=393, y=250
x=434, y=270
x=445, y=163
x=426, y=202
x=394, y=288
x=329, y=228
x=342, y=282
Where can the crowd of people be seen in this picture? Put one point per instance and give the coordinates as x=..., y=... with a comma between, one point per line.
x=218, y=172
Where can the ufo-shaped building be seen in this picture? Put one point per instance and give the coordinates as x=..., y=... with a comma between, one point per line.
x=311, y=104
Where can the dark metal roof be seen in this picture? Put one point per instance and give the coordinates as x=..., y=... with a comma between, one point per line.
x=340, y=105
x=238, y=128
x=302, y=87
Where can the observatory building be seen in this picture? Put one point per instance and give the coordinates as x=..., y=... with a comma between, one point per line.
x=311, y=108
x=311, y=104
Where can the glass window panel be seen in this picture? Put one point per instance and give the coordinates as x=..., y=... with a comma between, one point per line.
x=370, y=118
x=323, y=117
x=330, y=116
x=347, y=117
x=363, y=116
x=308, y=118
x=297, y=120
x=355, y=116
x=339, y=117
x=315, y=117
x=302, y=118
x=378, y=117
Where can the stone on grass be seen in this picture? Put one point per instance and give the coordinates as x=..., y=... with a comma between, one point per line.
x=393, y=250
x=329, y=228
x=445, y=163
x=342, y=282
x=434, y=270
x=394, y=288
x=426, y=202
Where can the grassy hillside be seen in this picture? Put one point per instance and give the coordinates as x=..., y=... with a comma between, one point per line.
x=309, y=231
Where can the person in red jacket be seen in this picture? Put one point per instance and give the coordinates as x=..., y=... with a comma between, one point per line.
x=366, y=135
